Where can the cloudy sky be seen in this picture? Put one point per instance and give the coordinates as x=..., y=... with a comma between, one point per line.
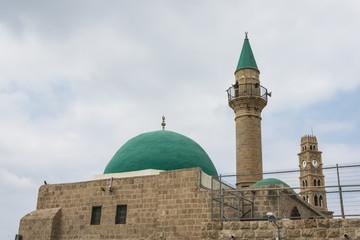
x=80, y=78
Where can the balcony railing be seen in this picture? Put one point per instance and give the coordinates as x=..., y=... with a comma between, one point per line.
x=247, y=89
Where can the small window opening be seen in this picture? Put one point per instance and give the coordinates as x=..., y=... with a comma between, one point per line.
x=305, y=182
x=315, y=200
x=314, y=182
x=307, y=199
x=96, y=215
x=295, y=214
x=321, y=201
x=310, y=147
x=120, y=217
x=318, y=182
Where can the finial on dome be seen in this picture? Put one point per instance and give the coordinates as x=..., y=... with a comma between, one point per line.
x=246, y=33
x=163, y=124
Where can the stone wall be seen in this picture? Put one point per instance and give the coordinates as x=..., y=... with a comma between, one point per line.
x=289, y=229
x=41, y=224
x=166, y=206
x=281, y=202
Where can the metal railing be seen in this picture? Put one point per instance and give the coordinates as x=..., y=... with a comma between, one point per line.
x=341, y=192
x=247, y=89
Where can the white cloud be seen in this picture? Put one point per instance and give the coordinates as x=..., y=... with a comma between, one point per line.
x=11, y=180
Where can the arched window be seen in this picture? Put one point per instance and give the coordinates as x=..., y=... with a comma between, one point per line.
x=314, y=147
x=315, y=200
x=295, y=214
x=314, y=182
x=305, y=182
x=307, y=199
x=310, y=147
x=318, y=182
x=321, y=201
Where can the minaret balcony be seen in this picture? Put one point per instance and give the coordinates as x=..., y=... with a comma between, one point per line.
x=247, y=90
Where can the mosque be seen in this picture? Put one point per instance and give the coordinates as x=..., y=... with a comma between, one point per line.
x=163, y=185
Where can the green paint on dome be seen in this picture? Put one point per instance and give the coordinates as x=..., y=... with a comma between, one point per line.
x=269, y=181
x=247, y=59
x=161, y=150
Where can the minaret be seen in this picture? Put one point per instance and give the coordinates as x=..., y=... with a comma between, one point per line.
x=311, y=178
x=247, y=98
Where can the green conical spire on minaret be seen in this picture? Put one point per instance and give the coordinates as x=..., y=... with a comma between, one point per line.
x=247, y=59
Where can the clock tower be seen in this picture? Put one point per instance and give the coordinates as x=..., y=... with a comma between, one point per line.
x=312, y=180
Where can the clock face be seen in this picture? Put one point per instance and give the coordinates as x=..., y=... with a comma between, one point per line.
x=304, y=164
x=315, y=163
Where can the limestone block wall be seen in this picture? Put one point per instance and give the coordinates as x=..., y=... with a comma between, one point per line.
x=279, y=201
x=41, y=224
x=289, y=229
x=166, y=206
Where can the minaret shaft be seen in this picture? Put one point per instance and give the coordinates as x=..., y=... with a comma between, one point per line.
x=247, y=105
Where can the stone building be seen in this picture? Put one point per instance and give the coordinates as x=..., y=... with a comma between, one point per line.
x=163, y=185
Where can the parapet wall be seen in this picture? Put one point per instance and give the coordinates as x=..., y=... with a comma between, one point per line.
x=289, y=229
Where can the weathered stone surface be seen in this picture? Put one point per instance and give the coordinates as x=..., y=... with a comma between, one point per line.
x=324, y=223
x=262, y=233
x=300, y=224
x=351, y=222
x=335, y=223
x=310, y=223
x=293, y=233
x=333, y=233
x=320, y=233
x=307, y=232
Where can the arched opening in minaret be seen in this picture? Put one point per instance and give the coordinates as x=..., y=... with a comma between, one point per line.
x=315, y=200
x=321, y=201
x=314, y=182
x=318, y=182
x=303, y=183
x=295, y=214
x=306, y=183
x=310, y=147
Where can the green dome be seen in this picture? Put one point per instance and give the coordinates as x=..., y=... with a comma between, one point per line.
x=269, y=181
x=161, y=150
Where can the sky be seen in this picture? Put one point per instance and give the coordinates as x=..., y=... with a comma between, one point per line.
x=80, y=78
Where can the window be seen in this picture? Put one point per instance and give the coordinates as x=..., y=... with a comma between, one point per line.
x=96, y=215
x=315, y=200
x=318, y=182
x=295, y=214
x=314, y=182
x=120, y=217
x=321, y=201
